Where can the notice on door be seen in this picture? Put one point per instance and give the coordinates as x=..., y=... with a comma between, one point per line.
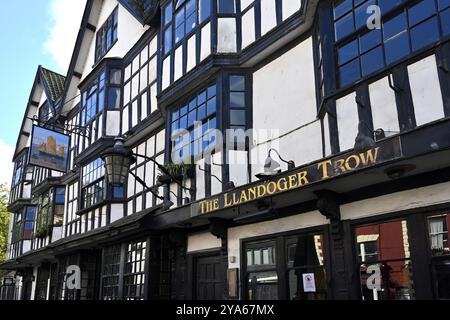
x=309, y=282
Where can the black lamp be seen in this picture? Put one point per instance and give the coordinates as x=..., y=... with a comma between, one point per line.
x=118, y=160
x=272, y=167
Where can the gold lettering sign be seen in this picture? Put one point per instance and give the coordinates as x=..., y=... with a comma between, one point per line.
x=302, y=177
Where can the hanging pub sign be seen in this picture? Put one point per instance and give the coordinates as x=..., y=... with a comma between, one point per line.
x=49, y=149
x=302, y=177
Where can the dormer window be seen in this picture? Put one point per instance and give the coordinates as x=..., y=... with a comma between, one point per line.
x=106, y=36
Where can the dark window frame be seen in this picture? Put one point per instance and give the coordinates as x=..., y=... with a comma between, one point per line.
x=281, y=240
x=103, y=44
x=362, y=31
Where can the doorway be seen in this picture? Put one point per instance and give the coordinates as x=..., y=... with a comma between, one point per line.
x=209, y=280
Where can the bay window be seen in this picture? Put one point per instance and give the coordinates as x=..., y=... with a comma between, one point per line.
x=107, y=35
x=193, y=125
x=93, y=189
x=406, y=27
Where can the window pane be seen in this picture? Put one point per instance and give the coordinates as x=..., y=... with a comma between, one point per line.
x=168, y=40
x=384, y=249
x=168, y=14
x=422, y=10
x=296, y=289
x=237, y=100
x=442, y=274
x=237, y=117
x=397, y=48
x=387, y=5
x=348, y=52
x=370, y=40
x=425, y=33
x=205, y=10
x=438, y=234
x=263, y=286
x=395, y=281
x=225, y=6
x=344, y=26
x=394, y=27
x=349, y=73
x=361, y=15
x=237, y=83
x=342, y=7
x=372, y=61
x=445, y=21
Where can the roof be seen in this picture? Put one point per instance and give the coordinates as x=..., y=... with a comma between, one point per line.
x=143, y=10
x=54, y=83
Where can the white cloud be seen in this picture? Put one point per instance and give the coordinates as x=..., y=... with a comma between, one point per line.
x=65, y=16
x=6, y=165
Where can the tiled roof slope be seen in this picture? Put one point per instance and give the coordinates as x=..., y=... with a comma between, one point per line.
x=54, y=83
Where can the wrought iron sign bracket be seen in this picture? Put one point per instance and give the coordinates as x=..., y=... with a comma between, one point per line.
x=68, y=128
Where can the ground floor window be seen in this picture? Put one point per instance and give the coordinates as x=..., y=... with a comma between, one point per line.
x=440, y=251
x=123, y=272
x=384, y=259
x=286, y=267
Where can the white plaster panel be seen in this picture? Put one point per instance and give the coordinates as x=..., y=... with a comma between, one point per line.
x=327, y=137
x=297, y=222
x=166, y=73
x=348, y=121
x=178, y=63
x=191, y=53
x=384, y=107
x=290, y=7
x=245, y=4
x=216, y=186
x=200, y=179
x=113, y=123
x=203, y=241
x=248, y=28
x=117, y=212
x=238, y=167
x=268, y=16
x=205, y=48
x=284, y=92
x=425, y=89
x=226, y=35
x=410, y=199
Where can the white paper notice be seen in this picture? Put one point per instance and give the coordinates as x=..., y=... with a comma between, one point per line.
x=309, y=282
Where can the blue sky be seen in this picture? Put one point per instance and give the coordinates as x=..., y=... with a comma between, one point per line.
x=32, y=33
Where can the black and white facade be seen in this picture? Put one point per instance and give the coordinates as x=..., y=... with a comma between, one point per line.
x=362, y=210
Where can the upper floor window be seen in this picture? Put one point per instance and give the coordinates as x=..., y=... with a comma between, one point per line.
x=23, y=226
x=106, y=35
x=104, y=91
x=19, y=170
x=45, y=112
x=192, y=126
x=93, y=184
x=181, y=17
x=406, y=27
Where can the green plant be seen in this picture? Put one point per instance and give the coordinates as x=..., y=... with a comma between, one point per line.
x=43, y=225
x=176, y=171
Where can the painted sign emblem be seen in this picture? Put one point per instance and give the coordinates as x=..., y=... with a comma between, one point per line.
x=49, y=149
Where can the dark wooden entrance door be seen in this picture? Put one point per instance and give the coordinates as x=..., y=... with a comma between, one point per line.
x=209, y=278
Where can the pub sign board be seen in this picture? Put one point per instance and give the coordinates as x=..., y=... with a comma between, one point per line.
x=49, y=149
x=302, y=177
